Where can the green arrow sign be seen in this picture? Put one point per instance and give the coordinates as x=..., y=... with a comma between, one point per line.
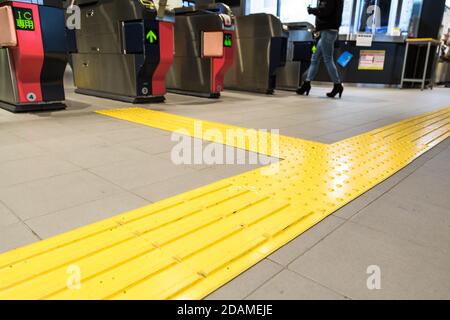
x=151, y=37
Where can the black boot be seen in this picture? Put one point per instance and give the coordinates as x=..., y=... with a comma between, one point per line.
x=337, y=89
x=305, y=88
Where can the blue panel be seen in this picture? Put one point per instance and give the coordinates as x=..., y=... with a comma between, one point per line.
x=53, y=25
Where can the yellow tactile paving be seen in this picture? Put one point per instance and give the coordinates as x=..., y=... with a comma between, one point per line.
x=189, y=245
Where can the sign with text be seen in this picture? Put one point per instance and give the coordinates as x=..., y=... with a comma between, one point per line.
x=24, y=19
x=364, y=39
x=372, y=60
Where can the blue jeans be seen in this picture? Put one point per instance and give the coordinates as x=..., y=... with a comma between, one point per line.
x=325, y=49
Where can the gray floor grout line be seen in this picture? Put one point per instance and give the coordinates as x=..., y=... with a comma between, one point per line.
x=321, y=284
x=287, y=266
x=12, y=211
x=267, y=280
x=422, y=245
x=383, y=193
x=77, y=205
x=81, y=204
x=44, y=153
x=21, y=221
x=284, y=268
x=332, y=231
x=41, y=178
x=24, y=157
x=32, y=231
x=318, y=242
x=313, y=245
x=119, y=186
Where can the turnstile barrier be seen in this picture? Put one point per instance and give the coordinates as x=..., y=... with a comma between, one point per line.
x=123, y=50
x=261, y=45
x=204, y=51
x=33, y=55
x=299, y=54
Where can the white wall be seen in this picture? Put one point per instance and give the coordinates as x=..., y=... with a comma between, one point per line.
x=446, y=21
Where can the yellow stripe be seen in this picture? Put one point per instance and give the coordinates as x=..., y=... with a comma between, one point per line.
x=420, y=39
x=187, y=246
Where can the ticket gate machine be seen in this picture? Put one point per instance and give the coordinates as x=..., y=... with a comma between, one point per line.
x=261, y=45
x=33, y=55
x=204, y=50
x=123, y=50
x=299, y=53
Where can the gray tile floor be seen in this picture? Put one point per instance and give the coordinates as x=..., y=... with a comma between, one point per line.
x=64, y=170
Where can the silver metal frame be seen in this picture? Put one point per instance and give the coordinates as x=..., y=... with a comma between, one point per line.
x=8, y=83
x=101, y=67
x=289, y=77
x=251, y=67
x=191, y=73
x=423, y=81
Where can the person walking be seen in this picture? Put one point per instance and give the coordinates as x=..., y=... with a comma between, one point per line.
x=328, y=21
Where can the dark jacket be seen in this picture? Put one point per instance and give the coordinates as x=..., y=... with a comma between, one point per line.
x=328, y=14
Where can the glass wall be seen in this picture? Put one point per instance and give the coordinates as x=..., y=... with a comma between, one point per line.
x=296, y=11
x=406, y=14
x=390, y=17
x=347, y=16
x=262, y=6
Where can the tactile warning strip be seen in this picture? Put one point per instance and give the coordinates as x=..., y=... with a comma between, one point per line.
x=187, y=246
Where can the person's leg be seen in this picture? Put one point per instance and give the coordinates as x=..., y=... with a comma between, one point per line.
x=328, y=40
x=315, y=62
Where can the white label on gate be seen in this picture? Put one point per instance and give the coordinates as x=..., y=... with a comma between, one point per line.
x=364, y=39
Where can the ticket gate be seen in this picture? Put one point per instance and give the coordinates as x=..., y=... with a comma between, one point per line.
x=33, y=55
x=204, y=50
x=123, y=50
x=261, y=45
x=299, y=53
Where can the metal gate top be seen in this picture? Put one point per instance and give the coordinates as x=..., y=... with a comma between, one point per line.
x=187, y=246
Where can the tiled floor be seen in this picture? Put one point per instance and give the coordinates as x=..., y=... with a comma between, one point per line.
x=63, y=170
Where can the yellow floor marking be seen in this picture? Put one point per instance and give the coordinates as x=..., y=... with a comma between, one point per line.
x=187, y=246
